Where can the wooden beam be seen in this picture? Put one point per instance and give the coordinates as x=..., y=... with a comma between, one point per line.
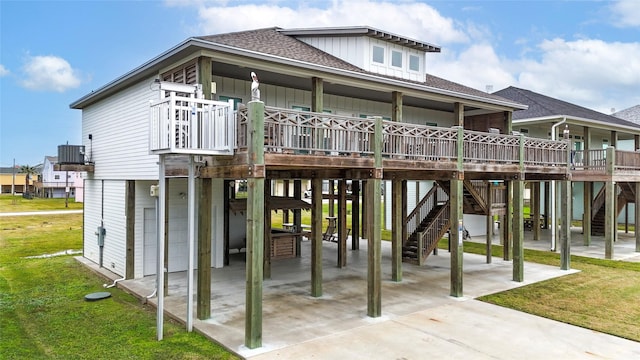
x=456, y=198
x=130, y=216
x=342, y=223
x=397, y=223
x=586, y=218
x=316, y=237
x=535, y=198
x=297, y=214
x=355, y=214
x=458, y=114
x=565, y=225
x=203, y=309
x=317, y=95
x=396, y=106
x=374, y=244
x=637, y=216
x=204, y=76
x=268, y=241
x=226, y=188
x=508, y=223
x=610, y=215
x=255, y=227
x=518, y=230
x=489, y=221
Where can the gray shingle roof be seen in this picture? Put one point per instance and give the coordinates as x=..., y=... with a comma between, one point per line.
x=630, y=114
x=273, y=42
x=545, y=106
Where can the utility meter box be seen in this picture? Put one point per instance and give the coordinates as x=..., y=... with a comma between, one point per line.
x=154, y=191
x=101, y=233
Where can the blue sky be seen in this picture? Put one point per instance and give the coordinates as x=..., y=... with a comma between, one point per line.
x=54, y=52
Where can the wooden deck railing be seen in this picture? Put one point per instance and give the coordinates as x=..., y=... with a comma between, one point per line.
x=434, y=197
x=307, y=132
x=186, y=125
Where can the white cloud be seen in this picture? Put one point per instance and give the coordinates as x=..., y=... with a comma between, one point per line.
x=415, y=20
x=584, y=71
x=49, y=73
x=587, y=72
x=627, y=13
x=3, y=71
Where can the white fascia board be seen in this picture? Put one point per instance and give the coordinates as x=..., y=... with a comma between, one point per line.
x=572, y=120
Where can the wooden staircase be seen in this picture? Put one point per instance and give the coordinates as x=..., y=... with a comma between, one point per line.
x=626, y=194
x=426, y=225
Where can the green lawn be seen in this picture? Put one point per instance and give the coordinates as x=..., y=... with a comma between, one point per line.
x=11, y=203
x=43, y=314
x=603, y=296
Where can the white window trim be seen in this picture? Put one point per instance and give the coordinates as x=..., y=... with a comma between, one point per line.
x=409, y=63
x=373, y=61
x=391, y=52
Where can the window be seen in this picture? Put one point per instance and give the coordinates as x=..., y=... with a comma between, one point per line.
x=414, y=63
x=236, y=100
x=378, y=55
x=396, y=58
x=56, y=177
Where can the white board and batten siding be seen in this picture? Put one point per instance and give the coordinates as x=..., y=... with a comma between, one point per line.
x=358, y=51
x=119, y=126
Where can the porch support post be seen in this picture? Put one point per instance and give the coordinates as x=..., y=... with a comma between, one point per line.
x=342, y=223
x=317, y=94
x=268, y=241
x=255, y=226
x=610, y=227
x=397, y=223
x=458, y=114
x=226, y=195
x=489, y=220
x=364, y=209
x=297, y=214
x=130, y=209
x=160, y=264
x=191, y=238
x=203, y=309
x=508, y=222
x=316, y=238
x=456, y=196
x=166, y=235
x=374, y=244
x=396, y=106
x=637, y=216
x=565, y=224
x=518, y=230
x=586, y=218
x=355, y=214
x=204, y=76
x=535, y=198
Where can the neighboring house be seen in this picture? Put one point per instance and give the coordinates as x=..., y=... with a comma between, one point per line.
x=55, y=184
x=548, y=117
x=346, y=104
x=12, y=180
x=631, y=114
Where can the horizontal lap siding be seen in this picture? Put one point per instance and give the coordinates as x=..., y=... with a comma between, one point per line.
x=109, y=210
x=120, y=129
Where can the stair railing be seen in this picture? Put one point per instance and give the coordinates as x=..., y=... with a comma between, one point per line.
x=428, y=238
x=423, y=208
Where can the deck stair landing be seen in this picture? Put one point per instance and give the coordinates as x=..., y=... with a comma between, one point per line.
x=626, y=194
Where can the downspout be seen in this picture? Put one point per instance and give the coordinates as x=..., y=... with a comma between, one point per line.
x=552, y=190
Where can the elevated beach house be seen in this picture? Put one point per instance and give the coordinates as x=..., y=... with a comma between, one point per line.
x=165, y=142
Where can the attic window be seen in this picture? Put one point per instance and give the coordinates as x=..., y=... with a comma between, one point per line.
x=378, y=55
x=396, y=58
x=414, y=63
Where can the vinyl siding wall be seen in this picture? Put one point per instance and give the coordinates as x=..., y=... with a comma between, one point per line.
x=113, y=207
x=119, y=126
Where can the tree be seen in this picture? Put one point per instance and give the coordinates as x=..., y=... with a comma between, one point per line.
x=29, y=171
